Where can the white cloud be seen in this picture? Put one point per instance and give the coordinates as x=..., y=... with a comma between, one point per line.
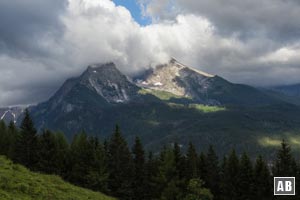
x=93, y=31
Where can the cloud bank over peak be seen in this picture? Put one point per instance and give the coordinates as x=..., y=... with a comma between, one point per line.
x=44, y=42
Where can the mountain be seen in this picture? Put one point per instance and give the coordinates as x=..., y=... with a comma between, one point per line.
x=201, y=87
x=287, y=93
x=17, y=182
x=169, y=103
x=82, y=101
x=11, y=114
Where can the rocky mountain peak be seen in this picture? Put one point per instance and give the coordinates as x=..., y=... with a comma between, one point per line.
x=174, y=77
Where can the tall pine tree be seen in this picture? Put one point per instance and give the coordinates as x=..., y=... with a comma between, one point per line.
x=47, y=153
x=212, y=177
x=13, y=134
x=246, y=178
x=3, y=138
x=230, y=177
x=285, y=164
x=168, y=177
x=26, y=146
x=262, y=187
x=191, y=163
x=120, y=165
x=139, y=182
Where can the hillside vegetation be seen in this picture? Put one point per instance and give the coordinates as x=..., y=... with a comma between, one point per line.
x=18, y=183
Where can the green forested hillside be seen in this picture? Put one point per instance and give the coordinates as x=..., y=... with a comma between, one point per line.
x=18, y=183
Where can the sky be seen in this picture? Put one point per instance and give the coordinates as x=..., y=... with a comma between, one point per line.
x=44, y=42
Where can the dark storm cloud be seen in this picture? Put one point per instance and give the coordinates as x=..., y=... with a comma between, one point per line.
x=25, y=24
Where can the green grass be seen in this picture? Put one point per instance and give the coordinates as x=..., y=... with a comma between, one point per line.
x=199, y=107
x=292, y=138
x=18, y=183
x=162, y=95
x=207, y=109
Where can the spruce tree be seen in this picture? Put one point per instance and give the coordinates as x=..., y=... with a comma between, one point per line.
x=231, y=176
x=202, y=167
x=179, y=160
x=262, y=187
x=246, y=178
x=191, y=162
x=97, y=172
x=223, y=185
x=139, y=181
x=13, y=134
x=26, y=146
x=152, y=171
x=86, y=163
x=77, y=160
x=47, y=153
x=168, y=177
x=62, y=151
x=3, y=138
x=120, y=167
x=52, y=153
x=212, y=177
x=285, y=163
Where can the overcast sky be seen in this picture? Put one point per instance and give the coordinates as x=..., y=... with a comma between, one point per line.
x=43, y=42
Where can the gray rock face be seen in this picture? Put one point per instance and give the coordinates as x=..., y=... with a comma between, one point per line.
x=10, y=114
x=109, y=83
x=202, y=87
x=173, y=77
x=180, y=80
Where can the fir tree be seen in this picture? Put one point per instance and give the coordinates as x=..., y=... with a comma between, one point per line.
x=223, y=185
x=77, y=160
x=87, y=163
x=202, y=167
x=151, y=175
x=191, y=162
x=26, y=145
x=3, y=138
x=285, y=163
x=62, y=151
x=97, y=173
x=179, y=160
x=47, y=153
x=120, y=167
x=139, y=182
x=231, y=176
x=13, y=134
x=245, y=180
x=168, y=177
x=212, y=177
x=262, y=187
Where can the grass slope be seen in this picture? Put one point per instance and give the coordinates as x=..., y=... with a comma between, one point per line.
x=18, y=183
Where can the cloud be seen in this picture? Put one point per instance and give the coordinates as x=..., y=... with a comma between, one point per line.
x=276, y=19
x=44, y=42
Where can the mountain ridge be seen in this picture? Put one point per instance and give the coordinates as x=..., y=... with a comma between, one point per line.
x=224, y=114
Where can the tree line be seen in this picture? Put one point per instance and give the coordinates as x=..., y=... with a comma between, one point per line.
x=113, y=168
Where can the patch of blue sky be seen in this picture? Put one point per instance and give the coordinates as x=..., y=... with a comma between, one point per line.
x=135, y=10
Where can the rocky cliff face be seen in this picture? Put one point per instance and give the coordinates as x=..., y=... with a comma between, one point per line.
x=10, y=114
x=172, y=77
x=109, y=83
x=200, y=86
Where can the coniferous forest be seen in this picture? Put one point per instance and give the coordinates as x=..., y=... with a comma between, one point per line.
x=131, y=173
